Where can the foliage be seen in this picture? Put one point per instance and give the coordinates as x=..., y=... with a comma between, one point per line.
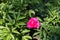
x=14, y=14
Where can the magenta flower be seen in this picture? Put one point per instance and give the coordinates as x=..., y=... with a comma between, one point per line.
x=33, y=23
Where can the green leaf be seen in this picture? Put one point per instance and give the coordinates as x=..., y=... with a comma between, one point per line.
x=26, y=38
x=1, y=21
x=8, y=37
x=40, y=19
x=21, y=23
x=25, y=31
x=31, y=12
x=9, y=18
x=2, y=5
x=14, y=15
x=36, y=33
x=22, y=1
x=1, y=27
x=12, y=36
x=15, y=31
x=45, y=36
x=22, y=17
x=18, y=16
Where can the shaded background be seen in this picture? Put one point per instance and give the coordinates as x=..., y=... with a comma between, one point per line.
x=14, y=14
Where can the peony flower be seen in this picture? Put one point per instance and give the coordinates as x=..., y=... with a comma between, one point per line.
x=33, y=23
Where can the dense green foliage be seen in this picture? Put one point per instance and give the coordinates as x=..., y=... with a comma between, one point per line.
x=14, y=15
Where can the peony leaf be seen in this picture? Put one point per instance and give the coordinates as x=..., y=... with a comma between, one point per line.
x=25, y=31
